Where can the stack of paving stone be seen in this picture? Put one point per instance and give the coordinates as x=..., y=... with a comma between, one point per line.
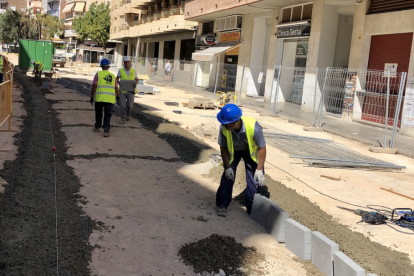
x=201, y=103
x=305, y=244
x=206, y=131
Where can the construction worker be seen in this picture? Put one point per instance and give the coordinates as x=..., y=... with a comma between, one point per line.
x=2, y=59
x=38, y=68
x=105, y=93
x=126, y=98
x=239, y=137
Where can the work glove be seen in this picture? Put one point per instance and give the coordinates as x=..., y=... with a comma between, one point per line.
x=92, y=100
x=117, y=100
x=135, y=85
x=259, y=177
x=229, y=173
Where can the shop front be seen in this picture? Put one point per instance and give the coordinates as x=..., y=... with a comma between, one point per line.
x=295, y=44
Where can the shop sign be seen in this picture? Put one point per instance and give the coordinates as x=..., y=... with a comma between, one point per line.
x=293, y=31
x=209, y=39
x=227, y=37
x=301, y=50
x=392, y=67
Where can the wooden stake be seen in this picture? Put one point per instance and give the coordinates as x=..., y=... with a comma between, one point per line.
x=331, y=177
x=397, y=193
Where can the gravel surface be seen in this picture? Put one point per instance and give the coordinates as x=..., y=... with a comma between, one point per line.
x=218, y=254
x=28, y=235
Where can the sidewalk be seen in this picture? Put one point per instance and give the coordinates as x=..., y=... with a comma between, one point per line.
x=354, y=131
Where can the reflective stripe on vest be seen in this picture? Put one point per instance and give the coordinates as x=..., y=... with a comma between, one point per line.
x=249, y=124
x=1, y=64
x=105, y=91
x=124, y=76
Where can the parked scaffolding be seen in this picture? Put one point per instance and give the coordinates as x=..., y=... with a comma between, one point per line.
x=6, y=96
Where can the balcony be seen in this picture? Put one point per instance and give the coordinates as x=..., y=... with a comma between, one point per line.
x=70, y=33
x=73, y=15
x=207, y=11
x=144, y=27
x=51, y=1
x=54, y=13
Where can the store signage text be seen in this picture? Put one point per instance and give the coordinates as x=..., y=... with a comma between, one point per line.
x=392, y=67
x=226, y=37
x=209, y=39
x=293, y=31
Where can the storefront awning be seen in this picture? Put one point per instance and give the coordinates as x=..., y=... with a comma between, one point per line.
x=94, y=49
x=68, y=8
x=79, y=7
x=208, y=54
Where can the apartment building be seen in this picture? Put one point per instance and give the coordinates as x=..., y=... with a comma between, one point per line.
x=89, y=50
x=15, y=5
x=51, y=7
x=305, y=35
x=154, y=30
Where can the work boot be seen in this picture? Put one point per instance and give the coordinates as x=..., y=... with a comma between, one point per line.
x=95, y=129
x=122, y=122
x=221, y=211
x=106, y=133
x=128, y=117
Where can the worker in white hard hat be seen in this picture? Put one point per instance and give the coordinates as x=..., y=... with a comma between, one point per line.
x=38, y=67
x=126, y=98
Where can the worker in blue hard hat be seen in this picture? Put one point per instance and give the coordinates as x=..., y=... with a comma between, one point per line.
x=104, y=93
x=239, y=138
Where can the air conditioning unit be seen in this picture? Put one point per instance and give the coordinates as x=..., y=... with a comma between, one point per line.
x=233, y=22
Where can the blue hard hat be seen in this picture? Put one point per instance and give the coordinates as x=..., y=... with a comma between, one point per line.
x=105, y=62
x=230, y=113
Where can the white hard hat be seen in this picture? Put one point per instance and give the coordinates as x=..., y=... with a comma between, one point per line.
x=32, y=61
x=127, y=59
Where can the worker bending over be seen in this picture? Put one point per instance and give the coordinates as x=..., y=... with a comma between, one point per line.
x=239, y=137
x=126, y=98
x=105, y=93
x=38, y=68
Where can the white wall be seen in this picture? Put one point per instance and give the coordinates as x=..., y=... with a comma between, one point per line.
x=327, y=41
x=343, y=43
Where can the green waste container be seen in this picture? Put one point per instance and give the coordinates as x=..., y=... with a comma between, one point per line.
x=38, y=50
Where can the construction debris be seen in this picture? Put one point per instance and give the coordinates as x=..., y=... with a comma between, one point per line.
x=200, y=103
x=171, y=103
x=331, y=177
x=397, y=193
x=221, y=254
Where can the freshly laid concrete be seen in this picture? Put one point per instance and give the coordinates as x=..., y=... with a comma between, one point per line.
x=298, y=239
x=322, y=252
x=276, y=223
x=260, y=209
x=344, y=266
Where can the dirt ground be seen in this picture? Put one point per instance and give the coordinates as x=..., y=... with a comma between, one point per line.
x=144, y=188
x=357, y=186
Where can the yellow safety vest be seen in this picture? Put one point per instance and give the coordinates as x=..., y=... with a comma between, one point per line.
x=105, y=92
x=1, y=64
x=41, y=65
x=249, y=124
x=125, y=77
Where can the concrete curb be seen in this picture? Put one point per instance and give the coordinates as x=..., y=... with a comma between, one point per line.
x=305, y=244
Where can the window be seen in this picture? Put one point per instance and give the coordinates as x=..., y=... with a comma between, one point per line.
x=208, y=27
x=13, y=8
x=297, y=13
x=38, y=9
x=23, y=9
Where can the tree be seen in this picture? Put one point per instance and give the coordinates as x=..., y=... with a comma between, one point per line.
x=94, y=24
x=49, y=26
x=10, y=27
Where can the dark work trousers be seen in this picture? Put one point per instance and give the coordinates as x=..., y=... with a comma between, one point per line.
x=105, y=108
x=225, y=191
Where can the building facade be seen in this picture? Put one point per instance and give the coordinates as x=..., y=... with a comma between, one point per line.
x=304, y=35
x=152, y=31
